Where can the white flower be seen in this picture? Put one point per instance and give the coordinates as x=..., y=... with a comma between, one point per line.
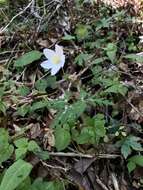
x=56, y=59
x=141, y=39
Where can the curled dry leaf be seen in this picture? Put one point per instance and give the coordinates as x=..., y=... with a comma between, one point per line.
x=49, y=139
x=35, y=130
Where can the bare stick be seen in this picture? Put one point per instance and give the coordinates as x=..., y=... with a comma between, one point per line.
x=115, y=182
x=101, y=183
x=134, y=108
x=54, y=167
x=20, y=13
x=80, y=155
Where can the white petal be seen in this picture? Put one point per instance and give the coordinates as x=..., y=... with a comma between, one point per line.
x=62, y=60
x=59, y=50
x=46, y=64
x=48, y=52
x=54, y=70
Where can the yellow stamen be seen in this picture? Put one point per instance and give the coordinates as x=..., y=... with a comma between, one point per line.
x=56, y=59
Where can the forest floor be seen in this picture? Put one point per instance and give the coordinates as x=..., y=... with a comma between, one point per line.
x=82, y=127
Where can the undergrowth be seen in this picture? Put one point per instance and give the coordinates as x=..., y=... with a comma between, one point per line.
x=86, y=110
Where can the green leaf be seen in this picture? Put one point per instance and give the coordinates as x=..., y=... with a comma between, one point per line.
x=126, y=150
x=82, y=58
x=3, y=107
x=23, y=110
x=6, y=149
x=69, y=114
x=135, y=57
x=138, y=160
x=68, y=37
x=4, y=137
x=39, y=184
x=111, y=50
x=82, y=31
x=39, y=105
x=133, y=141
x=2, y=89
x=131, y=166
x=130, y=142
x=3, y=1
x=42, y=84
x=22, y=146
x=33, y=146
x=15, y=175
x=20, y=153
x=43, y=155
x=62, y=137
x=6, y=153
x=21, y=143
x=117, y=88
x=99, y=127
x=28, y=58
x=87, y=136
x=25, y=185
x=98, y=60
x=23, y=90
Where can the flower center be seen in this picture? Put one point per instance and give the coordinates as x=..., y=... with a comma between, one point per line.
x=56, y=59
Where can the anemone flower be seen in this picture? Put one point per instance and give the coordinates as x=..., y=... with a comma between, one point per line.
x=141, y=39
x=55, y=59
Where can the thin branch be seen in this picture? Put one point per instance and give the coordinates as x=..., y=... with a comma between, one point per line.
x=20, y=13
x=80, y=155
x=134, y=108
x=115, y=182
x=101, y=183
x=54, y=167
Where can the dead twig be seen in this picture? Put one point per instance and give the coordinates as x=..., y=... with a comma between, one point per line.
x=102, y=185
x=54, y=167
x=115, y=182
x=80, y=155
x=134, y=108
x=20, y=13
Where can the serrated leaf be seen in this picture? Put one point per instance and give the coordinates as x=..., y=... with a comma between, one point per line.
x=99, y=127
x=86, y=136
x=111, y=50
x=126, y=150
x=15, y=175
x=136, y=146
x=23, y=90
x=28, y=58
x=3, y=107
x=62, y=138
x=138, y=160
x=69, y=114
x=131, y=166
